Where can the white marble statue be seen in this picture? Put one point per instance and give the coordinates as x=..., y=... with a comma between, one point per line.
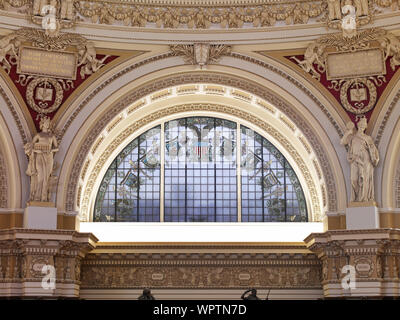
x=41, y=162
x=363, y=157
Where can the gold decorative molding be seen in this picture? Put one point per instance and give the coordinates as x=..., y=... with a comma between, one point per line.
x=206, y=268
x=47, y=86
x=24, y=252
x=355, y=65
x=201, y=54
x=191, y=14
x=374, y=254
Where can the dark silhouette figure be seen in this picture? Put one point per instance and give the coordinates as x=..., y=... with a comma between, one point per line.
x=146, y=295
x=251, y=296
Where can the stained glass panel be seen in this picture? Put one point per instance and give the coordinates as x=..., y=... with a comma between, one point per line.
x=200, y=177
x=200, y=170
x=130, y=190
x=271, y=191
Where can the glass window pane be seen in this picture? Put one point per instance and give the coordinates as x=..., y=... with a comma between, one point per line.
x=271, y=190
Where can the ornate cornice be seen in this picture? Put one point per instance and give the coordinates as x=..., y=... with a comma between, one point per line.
x=352, y=234
x=15, y=233
x=373, y=255
x=283, y=247
x=192, y=14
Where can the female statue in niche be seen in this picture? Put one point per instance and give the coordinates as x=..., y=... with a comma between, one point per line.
x=363, y=157
x=41, y=161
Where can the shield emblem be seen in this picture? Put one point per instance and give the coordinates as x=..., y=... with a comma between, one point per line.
x=200, y=149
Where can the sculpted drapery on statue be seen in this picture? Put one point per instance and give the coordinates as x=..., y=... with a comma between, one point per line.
x=363, y=157
x=41, y=162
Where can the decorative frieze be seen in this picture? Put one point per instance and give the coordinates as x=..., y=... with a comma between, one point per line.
x=208, y=269
x=24, y=253
x=199, y=14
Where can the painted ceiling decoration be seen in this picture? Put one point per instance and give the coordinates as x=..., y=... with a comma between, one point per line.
x=355, y=70
x=199, y=14
x=46, y=69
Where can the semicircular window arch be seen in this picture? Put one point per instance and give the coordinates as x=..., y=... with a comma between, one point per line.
x=187, y=170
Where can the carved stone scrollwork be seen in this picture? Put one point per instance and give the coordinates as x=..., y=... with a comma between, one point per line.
x=200, y=54
x=23, y=260
x=54, y=68
x=200, y=271
x=203, y=15
x=355, y=66
x=372, y=260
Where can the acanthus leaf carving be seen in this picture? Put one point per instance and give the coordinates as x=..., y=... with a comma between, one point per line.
x=200, y=54
x=225, y=14
x=45, y=88
x=358, y=89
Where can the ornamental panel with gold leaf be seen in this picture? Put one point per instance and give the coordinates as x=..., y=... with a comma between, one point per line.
x=47, y=68
x=355, y=69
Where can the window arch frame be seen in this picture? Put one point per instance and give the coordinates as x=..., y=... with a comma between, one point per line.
x=240, y=122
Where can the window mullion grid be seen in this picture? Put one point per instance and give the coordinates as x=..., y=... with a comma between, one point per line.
x=162, y=171
x=215, y=175
x=239, y=172
x=284, y=187
x=186, y=171
x=138, y=181
x=262, y=179
x=116, y=191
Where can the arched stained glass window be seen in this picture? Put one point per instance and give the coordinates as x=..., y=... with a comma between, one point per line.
x=270, y=188
x=130, y=190
x=195, y=159
x=200, y=170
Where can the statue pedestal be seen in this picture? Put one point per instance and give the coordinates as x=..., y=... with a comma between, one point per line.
x=40, y=215
x=362, y=215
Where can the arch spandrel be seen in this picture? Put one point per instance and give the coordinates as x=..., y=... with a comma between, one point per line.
x=120, y=140
x=185, y=77
x=132, y=103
